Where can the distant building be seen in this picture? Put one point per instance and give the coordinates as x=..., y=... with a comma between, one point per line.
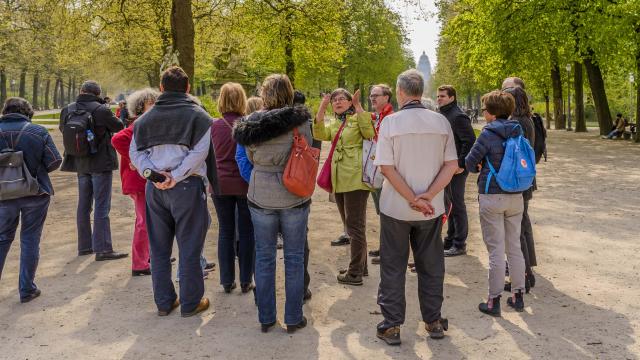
x=424, y=66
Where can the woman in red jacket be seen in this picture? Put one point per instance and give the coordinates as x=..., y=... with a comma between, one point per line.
x=132, y=183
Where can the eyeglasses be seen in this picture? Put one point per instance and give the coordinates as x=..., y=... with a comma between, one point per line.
x=373, y=96
x=339, y=99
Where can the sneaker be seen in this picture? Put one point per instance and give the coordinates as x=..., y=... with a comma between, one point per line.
x=375, y=260
x=437, y=328
x=447, y=243
x=491, y=307
x=516, y=301
x=391, y=335
x=349, y=279
x=455, y=251
x=374, y=253
x=343, y=239
x=364, y=273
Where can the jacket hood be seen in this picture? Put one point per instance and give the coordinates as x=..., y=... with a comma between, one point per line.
x=262, y=126
x=504, y=128
x=15, y=117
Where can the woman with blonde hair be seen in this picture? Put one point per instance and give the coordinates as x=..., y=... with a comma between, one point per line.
x=267, y=136
x=232, y=194
x=132, y=183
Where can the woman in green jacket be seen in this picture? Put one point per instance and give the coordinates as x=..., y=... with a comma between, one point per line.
x=346, y=172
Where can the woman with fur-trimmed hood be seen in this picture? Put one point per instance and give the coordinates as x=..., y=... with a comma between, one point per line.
x=267, y=136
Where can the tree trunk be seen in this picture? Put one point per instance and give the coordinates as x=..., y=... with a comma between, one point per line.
x=69, y=90
x=3, y=85
x=290, y=65
x=183, y=34
x=342, y=77
x=61, y=94
x=578, y=89
x=637, y=82
x=56, y=101
x=23, y=83
x=36, y=84
x=546, y=109
x=596, y=82
x=46, y=94
x=203, y=88
x=558, y=108
x=75, y=89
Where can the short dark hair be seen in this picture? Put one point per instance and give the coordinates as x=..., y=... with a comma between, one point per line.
x=451, y=91
x=299, y=98
x=499, y=103
x=174, y=79
x=341, y=91
x=619, y=115
x=17, y=105
x=90, y=87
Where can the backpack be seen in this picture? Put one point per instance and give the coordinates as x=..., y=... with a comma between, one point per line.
x=15, y=179
x=518, y=167
x=299, y=175
x=78, y=133
x=540, y=145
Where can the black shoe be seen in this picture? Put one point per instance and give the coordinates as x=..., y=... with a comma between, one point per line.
x=293, y=328
x=210, y=266
x=516, y=301
x=375, y=260
x=531, y=279
x=31, y=296
x=491, y=307
x=85, y=252
x=455, y=251
x=349, y=279
x=527, y=285
x=391, y=335
x=229, y=287
x=140, y=272
x=245, y=287
x=342, y=240
x=265, y=327
x=110, y=256
x=172, y=260
x=436, y=328
x=447, y=243
x=374, y=253
x=307, y=295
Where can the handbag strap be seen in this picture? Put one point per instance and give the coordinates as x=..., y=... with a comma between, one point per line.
x=337, y=137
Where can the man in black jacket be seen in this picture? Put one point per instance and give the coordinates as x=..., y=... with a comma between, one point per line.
x=94, y=174
x=458, y=226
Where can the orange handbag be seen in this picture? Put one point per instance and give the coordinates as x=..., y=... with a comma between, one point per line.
x=302, y=167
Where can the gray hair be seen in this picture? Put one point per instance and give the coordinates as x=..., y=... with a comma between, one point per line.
x=17, y=105
x=137, y=100
x=91, y=87
x=411, y=82
x=428, y=103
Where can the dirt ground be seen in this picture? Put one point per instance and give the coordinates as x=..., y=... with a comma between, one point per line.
x=586, y=303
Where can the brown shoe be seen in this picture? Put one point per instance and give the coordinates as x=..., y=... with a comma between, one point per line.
x=437, y=328
x=167, y=312
x=375, y=260
x=202, y=306
x=391, y=335
x=349, y=279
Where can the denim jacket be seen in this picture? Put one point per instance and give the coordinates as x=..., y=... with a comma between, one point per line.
x=39, y=151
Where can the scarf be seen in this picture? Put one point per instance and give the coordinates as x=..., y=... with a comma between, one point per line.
x=343, y=117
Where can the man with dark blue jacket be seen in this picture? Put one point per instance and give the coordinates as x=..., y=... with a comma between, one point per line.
x=458, y=225
x=41, y=157
x=95, y=174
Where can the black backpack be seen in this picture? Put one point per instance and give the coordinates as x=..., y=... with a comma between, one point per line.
x=540, y=146
x=78, y=133
x=15, y=179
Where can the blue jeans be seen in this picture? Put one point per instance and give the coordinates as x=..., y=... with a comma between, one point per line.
x=94, y=188
x=226, y=212
x=292, y=223
x=31, y=211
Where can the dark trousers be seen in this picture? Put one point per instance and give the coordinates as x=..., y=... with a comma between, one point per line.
x=307, y=277
x=425, y=240
x=458, y=223
x=180, y=212
x=352, y=206
x=30, y=212
x=94, y=189
x=226, y=211
x=526, y=239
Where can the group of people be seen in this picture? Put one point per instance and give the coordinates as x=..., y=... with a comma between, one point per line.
x=173, y=154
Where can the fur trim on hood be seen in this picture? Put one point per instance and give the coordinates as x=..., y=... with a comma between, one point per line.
x=262, y=126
